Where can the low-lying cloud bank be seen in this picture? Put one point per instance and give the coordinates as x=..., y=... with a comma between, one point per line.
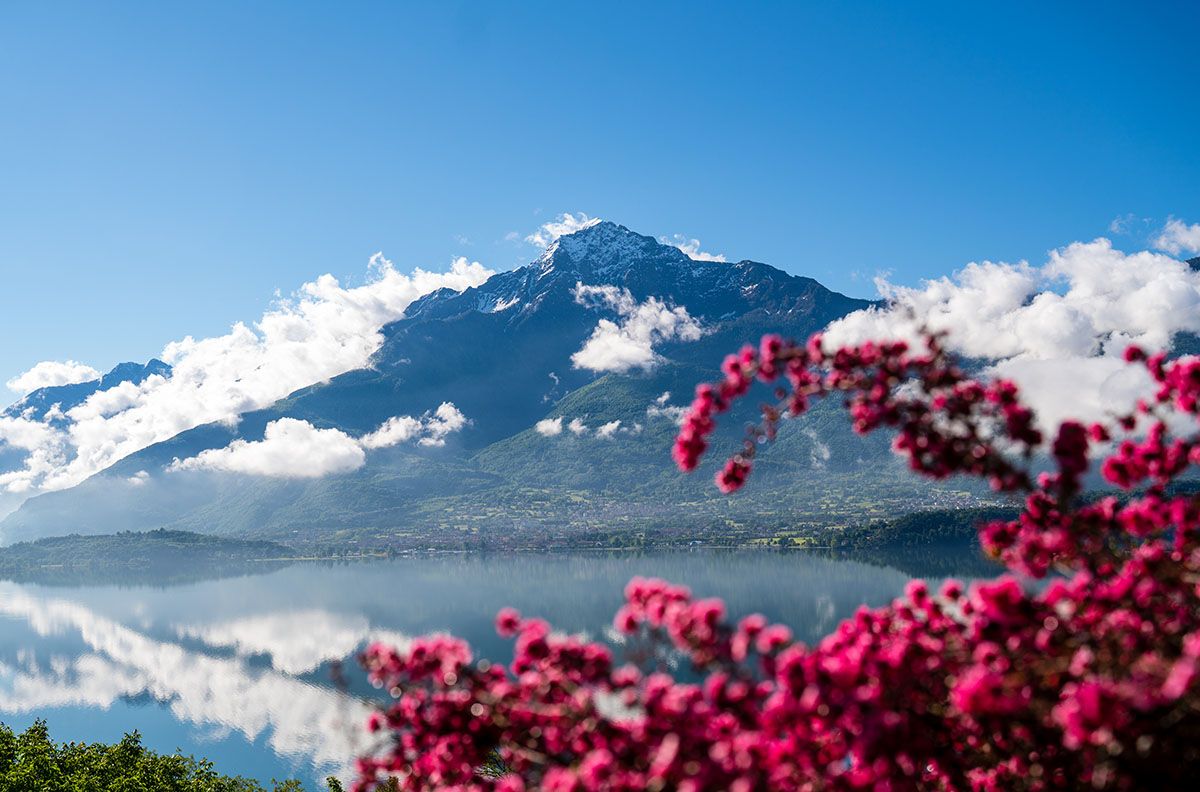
x=430, y=429
x=549, y=427
x=1058, y=329
x=662, y=408
x=50, y=373
x=323, y=331
x=292, y=448
x=553, y=427
x=629, y=344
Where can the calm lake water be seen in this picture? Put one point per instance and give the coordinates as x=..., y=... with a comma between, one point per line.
x=238, y=669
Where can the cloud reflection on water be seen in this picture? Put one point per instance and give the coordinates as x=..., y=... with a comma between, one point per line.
x=244, y=660
x=301, y=721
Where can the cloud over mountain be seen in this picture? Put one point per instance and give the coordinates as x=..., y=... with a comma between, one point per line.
x=549, y=427
x=1058, y=329
x=662, y=408
x=428, y=430
x=565, y=223
x=606, y=298
x=292, y=448
x=50, y=373
x=324, y=330
x=1178, y=237
x=691, y=247
x=606, y=431
x=630, y=344
x=553, y=427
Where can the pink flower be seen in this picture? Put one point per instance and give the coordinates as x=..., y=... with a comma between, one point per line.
x=1089, y=681
x=508, y=621
x=733, y=476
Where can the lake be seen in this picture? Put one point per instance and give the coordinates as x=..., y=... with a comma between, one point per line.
x=239, y=669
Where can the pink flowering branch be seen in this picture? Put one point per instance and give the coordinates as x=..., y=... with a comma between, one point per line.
x=947, y=424
x=1089, y=683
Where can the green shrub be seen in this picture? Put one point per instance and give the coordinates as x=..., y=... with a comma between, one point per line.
x=31, y=762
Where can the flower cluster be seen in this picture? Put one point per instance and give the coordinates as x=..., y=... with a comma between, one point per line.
x=948, y=424
x=1091, y=681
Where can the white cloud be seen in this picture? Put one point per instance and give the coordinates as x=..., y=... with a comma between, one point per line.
x=552, y=427
x=139, y=478
x=1125, y=224
x=49, y=373
x=289, y=449
x=428, y=430
x=549, y=427
x=671, y=413
x=394, y=431
x=662, y=408
x=553, y=378
x=1177, y=237
x=446, y=419
x=292, y=448
x=116, y=399
x=1079, y=388
x=819, y=454
x=1058, y=329
x=25, y=433
x=606, y=431
x=324, y=330
x=630, y=344
x=566, y=223
x=44, y=447
x=691, y=247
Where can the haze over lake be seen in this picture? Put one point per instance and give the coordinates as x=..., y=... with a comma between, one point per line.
x=240, y=670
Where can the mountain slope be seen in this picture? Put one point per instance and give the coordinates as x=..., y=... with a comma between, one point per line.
x=50, y=404
x=38, y=403
x=497, y=364
x=502, y=353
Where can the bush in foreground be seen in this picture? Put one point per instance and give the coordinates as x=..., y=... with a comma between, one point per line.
x=1089, y=682
x=31, y=762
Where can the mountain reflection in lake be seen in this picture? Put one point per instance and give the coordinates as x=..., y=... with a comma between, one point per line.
x=238, y=670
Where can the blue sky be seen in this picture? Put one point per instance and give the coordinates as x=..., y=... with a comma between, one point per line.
x=164, y=168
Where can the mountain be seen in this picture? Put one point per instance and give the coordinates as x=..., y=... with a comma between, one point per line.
x=50, y=404
x=491, y=350
x=502, y=353
x=37, y=404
